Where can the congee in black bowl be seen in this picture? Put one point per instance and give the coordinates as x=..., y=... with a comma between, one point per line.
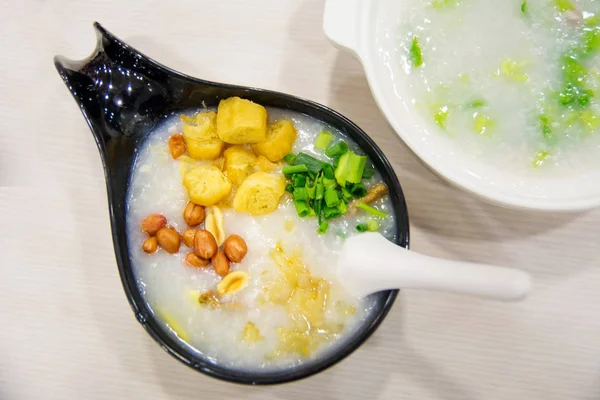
x=229, y=207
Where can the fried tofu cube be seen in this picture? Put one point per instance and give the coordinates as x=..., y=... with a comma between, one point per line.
x=281, y=136
x=260, y=193
x=201, y=139
x=264, y=164
x=239, y=163
x=240, y=121
x=206, y=185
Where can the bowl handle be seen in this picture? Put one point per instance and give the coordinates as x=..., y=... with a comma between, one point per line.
x=341, y=23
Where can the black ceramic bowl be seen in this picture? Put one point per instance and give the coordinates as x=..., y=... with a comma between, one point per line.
x=123, y=95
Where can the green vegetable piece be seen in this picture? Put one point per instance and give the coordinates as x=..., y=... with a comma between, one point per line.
x=368, y=172
x=512, y=70
x=312, y=164
x=311, y=189
x=540, y=158
x=328, y=171
x=323, y=140
x=323, y=225
x=336, y=150
x=331, y=212
x=289, y=159
x=299, y=180
x=302, y=208
x=546, y=126
x=329, y=183
x=590, y=120
x=372, y=225
x=289, y=188
x=441, y=115
x=482, y=123
x=331, y=198
x=591, y=42
x=564, y=5
x=414, y=54
x=343, y=207
x=477, y=104
x=346, y=193
x=294, y=169
x=357, y=190
x=524, y=8
x=440, y=4
x=319, y=191
x=370, y=210
x=362, y=227
x=300, y=194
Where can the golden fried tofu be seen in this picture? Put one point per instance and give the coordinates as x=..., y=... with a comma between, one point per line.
x=241, y=121
x=206, y=185
x=259, y=193
x=281, y=136
x=239, y=163
x=201, y=139
x=264, y=164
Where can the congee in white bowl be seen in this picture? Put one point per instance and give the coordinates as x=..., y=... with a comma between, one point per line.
x=502, y=98
x=235, y=219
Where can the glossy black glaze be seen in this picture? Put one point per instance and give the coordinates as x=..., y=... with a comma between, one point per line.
x=122, y=95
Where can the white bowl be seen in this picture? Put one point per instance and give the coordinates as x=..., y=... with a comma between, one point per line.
x=367, y=29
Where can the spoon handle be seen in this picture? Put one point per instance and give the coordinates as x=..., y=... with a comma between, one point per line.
x=381, y=265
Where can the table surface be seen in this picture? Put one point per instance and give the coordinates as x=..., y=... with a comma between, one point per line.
x=67, y=329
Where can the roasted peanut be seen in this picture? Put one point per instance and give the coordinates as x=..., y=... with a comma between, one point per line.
x=233, y=282
x=176, y=145
x=188, y=237
x=205, y=245
x=235, y=248
x=193, y=214
x=194, y=261
x=150, y=245
x=153, y=224
x=168, y=239
x=214, y=224
x=220, y=263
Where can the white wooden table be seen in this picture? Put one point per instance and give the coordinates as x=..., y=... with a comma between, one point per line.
x=67, y=331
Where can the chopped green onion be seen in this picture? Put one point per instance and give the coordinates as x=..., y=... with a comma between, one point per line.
x=294, y=169
x=289, y=159
x=524, y=9
x=318, y=205
x=343, y=207
x=329, y=183
x=323, y=140
x=346, y=193
x=441, y=115
x=482, y=123
x=546, y=126
x=414, y=54
x=289, y=188
x=300, y=194
x=336, y=150
x=350, y=169
x=368, y=172
x=302, y=208
x=312, y=164
x=311, y=188
x=328, y=171
x=370, y=210
x=299, y=180
x=331, y=212
x=372, y=225
x=323, y=225
x=362, y=227
x=319, y=192
x=476, y=103
x=331, y=198
x=357, y=190
x=540, y=158
x=564, y=5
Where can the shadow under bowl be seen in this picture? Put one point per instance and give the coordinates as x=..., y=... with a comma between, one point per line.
x=123, y=95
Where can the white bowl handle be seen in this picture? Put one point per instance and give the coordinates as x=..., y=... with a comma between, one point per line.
x=341, y=23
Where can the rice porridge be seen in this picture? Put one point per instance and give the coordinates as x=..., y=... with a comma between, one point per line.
x=513, y=82
x=256, y=289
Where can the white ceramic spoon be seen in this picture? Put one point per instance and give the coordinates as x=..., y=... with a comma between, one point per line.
x=370, y=263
